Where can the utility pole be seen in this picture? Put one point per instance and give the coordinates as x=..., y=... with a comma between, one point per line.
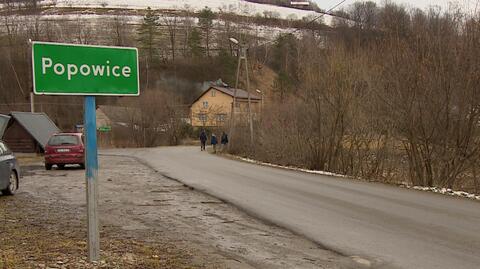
x=234, y=103
x=32, y=102
x=242, y=56
x=250, y=119
x=32, y=94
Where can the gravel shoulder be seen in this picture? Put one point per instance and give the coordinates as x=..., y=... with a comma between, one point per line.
x=147, y=221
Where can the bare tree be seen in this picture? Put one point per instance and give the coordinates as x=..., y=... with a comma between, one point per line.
x=171, y=21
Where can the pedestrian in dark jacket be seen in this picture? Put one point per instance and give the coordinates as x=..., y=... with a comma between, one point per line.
x=214, y=143
x=224, y=141
x=203, y=140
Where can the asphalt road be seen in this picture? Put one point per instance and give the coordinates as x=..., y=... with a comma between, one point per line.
x=390, y=226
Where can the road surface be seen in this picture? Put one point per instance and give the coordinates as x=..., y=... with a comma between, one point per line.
x=389, y=226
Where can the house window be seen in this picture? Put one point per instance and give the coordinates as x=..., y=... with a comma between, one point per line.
x=205, y=104
x=213, y=93
x=202, y=117
x=221, y=117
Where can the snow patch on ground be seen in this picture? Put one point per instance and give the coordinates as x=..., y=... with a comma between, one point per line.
x=291, y=168
x=444, y=191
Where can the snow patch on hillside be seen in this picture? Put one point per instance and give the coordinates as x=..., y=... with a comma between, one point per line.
x=262, y=31
x=236, y=6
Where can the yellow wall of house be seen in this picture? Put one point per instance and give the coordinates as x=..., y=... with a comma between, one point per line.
x=221, y=103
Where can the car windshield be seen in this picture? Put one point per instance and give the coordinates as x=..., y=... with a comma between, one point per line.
x=59, y=140
x=3, y=149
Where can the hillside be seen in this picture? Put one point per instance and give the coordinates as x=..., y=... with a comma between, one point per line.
x=239, y=7
x=287, y=3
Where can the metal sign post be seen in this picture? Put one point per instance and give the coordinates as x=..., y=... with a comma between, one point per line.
x=91, y=174
x=71, y=69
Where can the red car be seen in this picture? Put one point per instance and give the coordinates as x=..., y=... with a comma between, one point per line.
x=63, y=149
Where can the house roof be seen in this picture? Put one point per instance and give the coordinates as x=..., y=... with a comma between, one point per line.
x=4, y=119
x=38, y=125
x=241, y=94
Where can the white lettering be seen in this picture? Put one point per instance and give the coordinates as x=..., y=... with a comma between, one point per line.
x=108, y=69
x=126, y=71
x=85, y=70
x=115, y=73
x=46, y=62
x=59, y=69
x=71, y=70
x=98, y=70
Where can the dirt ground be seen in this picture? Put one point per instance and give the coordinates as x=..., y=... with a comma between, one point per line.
x=147, y=221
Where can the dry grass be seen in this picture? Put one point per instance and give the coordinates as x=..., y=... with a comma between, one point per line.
x=39, y=234
x=29, y=158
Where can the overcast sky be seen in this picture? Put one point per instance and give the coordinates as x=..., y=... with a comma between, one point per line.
x=466, y=4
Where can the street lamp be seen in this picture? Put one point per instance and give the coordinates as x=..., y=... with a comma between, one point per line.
x=261, y=95
x=233, y=40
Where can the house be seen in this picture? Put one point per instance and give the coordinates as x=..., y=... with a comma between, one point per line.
x=213, y=107
x=115, y=125
x=117, y=116
x=28, y=132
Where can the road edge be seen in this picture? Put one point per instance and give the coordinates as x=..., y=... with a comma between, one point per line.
x=434, y=190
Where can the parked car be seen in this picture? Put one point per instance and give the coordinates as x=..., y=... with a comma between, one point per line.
x=64, y=149
x=9, y=171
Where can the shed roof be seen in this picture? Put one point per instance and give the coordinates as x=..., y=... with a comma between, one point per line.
x=38, y=125
x=4, y=119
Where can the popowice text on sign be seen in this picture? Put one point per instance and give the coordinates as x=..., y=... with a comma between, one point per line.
x=68, y=69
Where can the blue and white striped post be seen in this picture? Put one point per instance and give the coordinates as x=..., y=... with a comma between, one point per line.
x=91, y=174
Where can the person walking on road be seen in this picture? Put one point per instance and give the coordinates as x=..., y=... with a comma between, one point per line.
x=224, y=141
x=214, y=143
x=203, y=140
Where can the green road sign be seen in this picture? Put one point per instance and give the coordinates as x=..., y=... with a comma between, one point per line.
x=69, y=69
x=104, y=129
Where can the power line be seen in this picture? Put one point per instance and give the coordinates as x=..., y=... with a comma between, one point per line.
x=327, y=12
x=313, y=20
